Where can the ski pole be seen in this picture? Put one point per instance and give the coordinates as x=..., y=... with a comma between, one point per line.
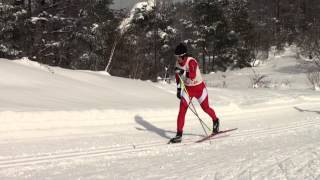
x=200, y=120
x=196, y=114
x=190, y=102
x=194, y=111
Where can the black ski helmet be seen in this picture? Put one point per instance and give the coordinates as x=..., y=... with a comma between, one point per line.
x=181, y=50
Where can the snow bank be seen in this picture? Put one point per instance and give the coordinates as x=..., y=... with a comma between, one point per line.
x=27, y=62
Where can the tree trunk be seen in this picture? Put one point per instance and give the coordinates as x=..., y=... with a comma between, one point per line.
x=107, y=69
x=213, y=60
x=204, y=61
x=155, y=29
x=277, y=30
x=29, y=8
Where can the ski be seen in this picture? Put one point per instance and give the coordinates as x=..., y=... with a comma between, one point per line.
x=215, y=135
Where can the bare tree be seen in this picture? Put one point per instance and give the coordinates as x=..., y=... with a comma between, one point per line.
x=258, y=80
x=314, y=79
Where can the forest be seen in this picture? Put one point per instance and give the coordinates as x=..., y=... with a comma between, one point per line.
x=222, y=34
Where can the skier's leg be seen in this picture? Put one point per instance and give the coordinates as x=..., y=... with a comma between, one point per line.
x=206, y=108
x=215, y=120
x=182, y=113
x=204, y=102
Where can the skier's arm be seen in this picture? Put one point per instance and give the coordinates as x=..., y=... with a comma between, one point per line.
x=178, y=72
x=192, y=69
x=178, y=86
x=177, y=79
x=178, y=83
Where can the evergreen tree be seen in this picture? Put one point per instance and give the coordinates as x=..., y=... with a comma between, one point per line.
x=221, y=33
x=13, y=33
x=73, y=34
x=148, y=44
x=211, y=31
x=241, y=33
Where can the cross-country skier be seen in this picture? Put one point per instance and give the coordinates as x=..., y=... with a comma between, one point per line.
x=187, y=69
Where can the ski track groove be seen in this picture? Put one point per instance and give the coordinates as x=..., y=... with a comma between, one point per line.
x=257, y=171
x=279, y=163
x=160, y=116
x=136, y=148
x=229, y=114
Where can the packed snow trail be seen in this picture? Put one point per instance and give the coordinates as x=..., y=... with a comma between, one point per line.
x=254, y=151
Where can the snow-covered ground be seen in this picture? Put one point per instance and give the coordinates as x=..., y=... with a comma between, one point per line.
x=64, y=124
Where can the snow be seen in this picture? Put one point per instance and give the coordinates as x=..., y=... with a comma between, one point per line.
x=53, y=44
x=162, y=34
x=6, y=6
x=36, y=19
x=94, y=27
x=145, y=6
x=8, y=51
x=171, y=30
x=19, y=13
x=89, y=125
x=4, y=48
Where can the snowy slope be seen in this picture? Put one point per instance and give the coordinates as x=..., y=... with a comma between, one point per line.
x=40, y=88
x=282, y=72
x=64, y=124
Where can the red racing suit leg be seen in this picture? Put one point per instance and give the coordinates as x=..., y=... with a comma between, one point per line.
x=182, y=113
x=199, y=92
x=206, y=108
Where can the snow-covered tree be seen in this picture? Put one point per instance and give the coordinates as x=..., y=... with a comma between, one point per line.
x=73, y=34
x=147, y=45
x=241, y=32
x=218, y=33
x=13, y=34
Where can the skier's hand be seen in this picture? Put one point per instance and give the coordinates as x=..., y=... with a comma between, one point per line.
x=179, y=71
x=179, y=93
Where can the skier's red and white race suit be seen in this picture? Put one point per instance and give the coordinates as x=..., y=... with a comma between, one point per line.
x=195, y=87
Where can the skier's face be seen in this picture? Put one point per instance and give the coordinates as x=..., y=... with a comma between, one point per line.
x=179, y=58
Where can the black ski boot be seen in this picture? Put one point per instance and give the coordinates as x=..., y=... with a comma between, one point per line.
x=215, y=127
x=176, y=139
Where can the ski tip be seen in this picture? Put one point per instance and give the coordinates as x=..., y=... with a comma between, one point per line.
x=228, y=130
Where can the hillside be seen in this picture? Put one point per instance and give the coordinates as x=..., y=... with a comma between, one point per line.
x=68, y=124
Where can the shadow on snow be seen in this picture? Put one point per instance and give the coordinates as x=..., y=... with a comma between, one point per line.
x=305, y=110
x=147, y=126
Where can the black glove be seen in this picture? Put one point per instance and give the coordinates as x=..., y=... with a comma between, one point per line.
x=187, y=75
x=179, y=71
x=179, y=93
